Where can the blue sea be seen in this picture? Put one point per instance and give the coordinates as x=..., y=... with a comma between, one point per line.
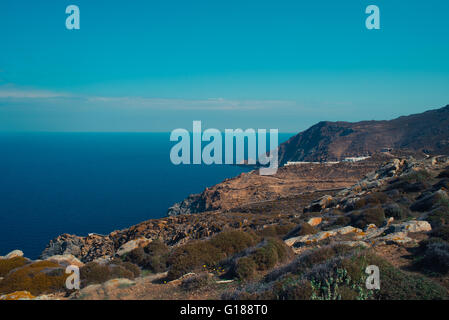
x=78, y=183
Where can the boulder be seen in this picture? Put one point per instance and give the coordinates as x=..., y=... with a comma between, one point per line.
x=17, y=295
x=66, y=260
x=13, y=254
x=319, y=204
x=313, y=238
x=410, y=226
x=133, y=244
x=315, y=221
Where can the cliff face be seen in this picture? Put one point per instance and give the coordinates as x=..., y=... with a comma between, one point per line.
x=330, y=141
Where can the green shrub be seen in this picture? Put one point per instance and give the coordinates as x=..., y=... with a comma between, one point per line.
x=95, y=273
x=234, y=241
x=438, y=217
x=309, y=259
x=194, y=254
x=245, y=268
x=292, y=288
x=444, y=173
x=276, y=231
x=374, y=215
x=435, y=257
x=152, y=257
x=420, y=175
x=301, y=230
x=37, y=278
x=6, y=265
x=397, y=211
x=441, y=232
x=196, y=282
x=427, y=201
x=374, y=198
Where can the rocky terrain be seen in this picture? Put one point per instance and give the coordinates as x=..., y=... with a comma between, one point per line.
x=309, y=243
x=426, y=132
x=251, y=187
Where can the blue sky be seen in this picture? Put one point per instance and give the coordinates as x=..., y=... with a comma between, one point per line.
x=147, y=65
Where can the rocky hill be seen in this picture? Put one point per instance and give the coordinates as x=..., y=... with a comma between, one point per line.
x=426, y=132
x=312, y=245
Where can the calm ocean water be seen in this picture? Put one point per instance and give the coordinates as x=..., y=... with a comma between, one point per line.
x=54, y=183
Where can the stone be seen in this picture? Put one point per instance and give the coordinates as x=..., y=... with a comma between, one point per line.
x=319, y=204
x=410, y=226
x=133, y=244
x=13, y=254
x=315, y=221
x=66, y=260
x=397, y=237
x=18, y=295
x=312, y=238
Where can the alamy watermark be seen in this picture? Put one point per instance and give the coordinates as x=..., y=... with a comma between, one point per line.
x=189, y=150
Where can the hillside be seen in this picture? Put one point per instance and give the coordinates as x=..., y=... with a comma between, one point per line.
x=426, y=132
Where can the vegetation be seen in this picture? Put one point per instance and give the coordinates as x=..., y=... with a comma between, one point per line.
x=93, y=272
x=194, y=254
x=152, y=257
x=37, y=278
x=301, y=230
x=6, y=265
x=373, y=215
x=196, y=282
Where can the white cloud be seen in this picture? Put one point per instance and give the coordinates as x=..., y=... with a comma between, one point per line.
x=15, y=93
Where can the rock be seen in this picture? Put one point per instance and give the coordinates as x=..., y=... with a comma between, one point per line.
x=411, y=226
x=13, y=254
x=84, y=248
x=18, y=295
x=319, y=204
x=312, y=238
x=355, y=244
x=133, y=244
x=66, y=260
x=315, y=221
x=397, y=237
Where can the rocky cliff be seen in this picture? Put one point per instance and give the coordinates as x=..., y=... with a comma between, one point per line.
x=426, y=132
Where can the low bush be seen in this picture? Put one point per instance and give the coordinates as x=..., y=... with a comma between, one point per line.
x=197, y=282
x=6, y=265
x=420, y=175
x=234, y=241
x=152, y=257
x=374, y=198
x=94, y=273
x=435, y=256
x=37, y=278
x=194, y=254
x=395, y=210
x=444, y=173
x=309, y=259
x=261, y=258
x=276, y=231
x=373, y=215
x=441, y=232
x=438, y=217
x=443, y=183
x=408, y=187
x=301, y=230
x=245, y=268
x=428, y=201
